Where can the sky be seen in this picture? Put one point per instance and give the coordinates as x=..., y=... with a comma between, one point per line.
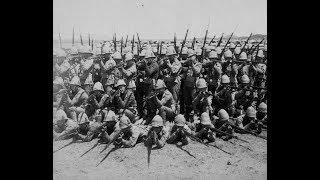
x=158, y=19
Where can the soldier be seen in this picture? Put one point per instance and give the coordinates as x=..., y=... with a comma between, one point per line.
x=244, y=97
x=79, y=116
x=95, y=100
x=157, y=133
x=221, y=123
x=58, y=84
x=88, y=84
x=213, y=71
x=262, y=113
x=125, y=101
x=202, y=129
x=126, y=134
x=80, y=96
x=164, y=101
x=130, y=70
x=222, y=97
x=203, y=99
x=188, y=88
x=63, y=127
x=174, y=65
x=178, y=133
x=249, y=122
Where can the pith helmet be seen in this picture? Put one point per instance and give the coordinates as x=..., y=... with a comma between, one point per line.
x=205, y=119
x=129, y=56
x=149, y=54
x=124, y=122
x=157, y=121
x=131, y=85
x=191, y=52
x=60, y=53
x=88, y=81
x=218, y=50
x=223, y=115
x=75, y=81
x=98, y=86
x=245, y=79
x=171, y=51
x=237, y=50
x=213, y=54
x=228, y=54
x=120, y=83
x=243, y=56
x=225, y=79
x=116, y=55
x=58, y=80
x=184, y=51
x=160, y=84
x=111, y=116
x=201, y=83
x=251, y=112
x=179, y=120
x=232, y=46
x=260, y=54
x=262, y=107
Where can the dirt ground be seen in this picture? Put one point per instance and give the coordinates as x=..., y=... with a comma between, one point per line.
x=195, y=161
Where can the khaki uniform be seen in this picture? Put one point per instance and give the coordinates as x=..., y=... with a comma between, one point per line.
x=175, y=136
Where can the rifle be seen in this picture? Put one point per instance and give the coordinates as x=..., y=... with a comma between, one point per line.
x=73, y=36
x=245, y=43
x=204, y=43
x=175, y=42
x=81, y=39
x=126, y=41
x=160, y=48
x=212, y=40
x=246, y=131
x=139, y=44
x=89, y=39
x=222, y=132
x=224, y=48
x=253, y=49
x=183, y=43
x=132, y=43
x=92, y=44
x=193, y=42
x=60, y=40
x=121, y=44
x=115, y=42
x=220, y=40
x=194, y=138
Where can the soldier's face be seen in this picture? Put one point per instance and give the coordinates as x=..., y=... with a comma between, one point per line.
x=193, y=58
x=87, y=88
x=122, y=88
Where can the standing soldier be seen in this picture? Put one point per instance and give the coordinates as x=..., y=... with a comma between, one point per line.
x=213, y=71
x=222, y=97
x=244, y=97
x=130, y=70
x=203, y=99
x=174, y=65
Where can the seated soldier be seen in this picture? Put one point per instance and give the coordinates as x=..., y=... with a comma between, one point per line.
x=177, y=132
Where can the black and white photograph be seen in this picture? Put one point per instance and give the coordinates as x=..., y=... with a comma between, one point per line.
x=159, y=89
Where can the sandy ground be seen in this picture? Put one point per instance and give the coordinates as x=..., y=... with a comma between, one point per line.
x=170, y=162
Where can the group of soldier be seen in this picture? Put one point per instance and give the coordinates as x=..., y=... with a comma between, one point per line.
x=125, y=93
